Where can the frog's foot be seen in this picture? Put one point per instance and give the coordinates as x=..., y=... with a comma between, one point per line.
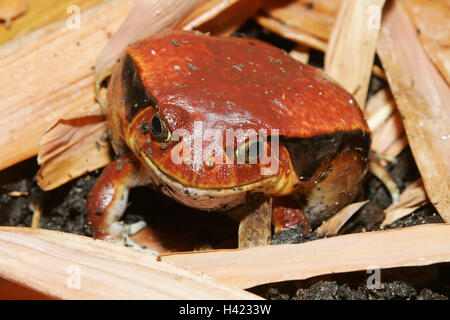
x=287, y=214
x=108, y=200
x=121, y=233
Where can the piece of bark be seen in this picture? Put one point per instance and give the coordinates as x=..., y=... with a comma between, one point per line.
x=335, y=223
x=256, y=224
x=422, y=97
x=354, y=35
x=77, y=267
x=246, y=268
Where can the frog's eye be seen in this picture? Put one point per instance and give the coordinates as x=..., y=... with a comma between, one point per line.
x=250, y=151
x=159, y=129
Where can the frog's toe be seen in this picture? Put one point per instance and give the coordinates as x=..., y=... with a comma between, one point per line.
x=136, y=227
x=121, y=233
x=287, y=214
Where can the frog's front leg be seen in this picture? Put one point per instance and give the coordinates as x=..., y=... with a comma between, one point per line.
x=287, y=214
x=108, y=199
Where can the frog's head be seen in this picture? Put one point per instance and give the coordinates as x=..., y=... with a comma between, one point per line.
x=220, y=117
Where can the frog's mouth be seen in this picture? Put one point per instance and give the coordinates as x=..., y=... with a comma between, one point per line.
x=257, y=186
x=214, y=198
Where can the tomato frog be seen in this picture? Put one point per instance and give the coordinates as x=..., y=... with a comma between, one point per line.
x=210, y=120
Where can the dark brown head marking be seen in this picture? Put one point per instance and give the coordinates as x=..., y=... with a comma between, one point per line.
x=136, y=95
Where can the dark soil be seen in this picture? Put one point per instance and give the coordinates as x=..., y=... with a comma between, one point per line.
x=413, y=283
x=64, y=209
x=415, y=286
x=295, y=236
x=331, y=290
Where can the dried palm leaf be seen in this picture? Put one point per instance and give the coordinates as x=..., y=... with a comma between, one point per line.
x=422, y=97
x=290, y=33
x=388, y=133
x=383, y=175
x=300, y=53
x=432, y=19
x=71, y=148
x=36, y=218
x=40, y=13
x=316, y=18
x=78, y=267
x=335, y=223
x=50, y=78
x=301, y=37
x=354, y=36
x=15, y=193
x=146, y=17
x=246, y=268
x=397, y=147
x=225, y=18
x=412, y=198
x=379, y=108
x=9, y=9
x=379, y=72
x=204, y=13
